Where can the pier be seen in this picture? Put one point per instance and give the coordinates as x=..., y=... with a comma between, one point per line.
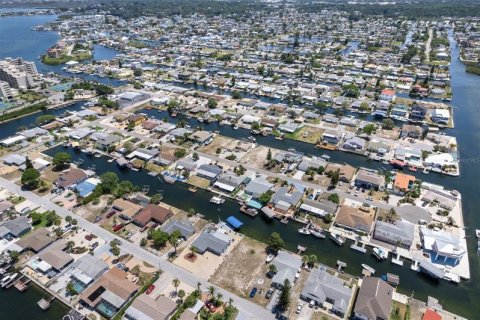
x=44, y=303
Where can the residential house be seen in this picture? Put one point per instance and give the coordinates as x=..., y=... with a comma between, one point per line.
x=399, y=233
x=36, y=241
x=151, y=212
x=374, y=300
x=70, y=178
x=326, y=289
x=444, y=247
x=331, y=136
x=109, y=293
x=209, y=171
x=355, y=143
x=286, y=198
x=213, y=241
x=86, y=270
x=319, y=208
x=357, y=219
x=346, y=171
x=288, y=265
x=418, y=112
x=411, y=131
x=369, y=180
x=257, y=186
x=126, y=208
x=403, y=183
x=16, y=227
x=185, y=227
x=145, y=307
x=228, y=182
x=441, y=116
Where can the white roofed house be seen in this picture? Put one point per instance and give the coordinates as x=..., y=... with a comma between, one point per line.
x=327, y=290
x=228, y=182
x=441, y=116
x=444, y=247
x=287, y=264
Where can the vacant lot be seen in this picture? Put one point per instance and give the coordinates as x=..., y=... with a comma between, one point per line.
x=257, y=157
x=218, y=142
x=306, y=134
x=198, y=182
x=250, y=255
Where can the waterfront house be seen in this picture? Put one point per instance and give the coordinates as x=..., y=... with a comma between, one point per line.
x=399, y=233
x=357, y=219
x=151, y=212
x=418, y=112
x=228, y=182
x=441, y=116
x=331, y=136
x=55, y=256
x=430, y=314
x=145, y=307
x=369, y=180
x=355, y=143
x=411, y=131
x=201, y=136
x=326, y=289
x=444, y=247
x=403, y=183
x=143, y=154
x=387, y=95
x=164, y=127
x=186, y=164
x=378, y=147
x=314, y=163
x=185, y=227
x=286, y=198
x=442, y=198
x=319, y=208
x=257, y=186
x=126, y=208
x=71, y=178
x=36, y=241
x=374, y=300
x=80, y=134
x=84, y=271
x=108, y=293
x=105, y=141
x=213, y=241
x=287, y=264
x=209, y=171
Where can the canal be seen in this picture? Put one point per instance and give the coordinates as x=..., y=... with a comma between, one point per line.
x=460, y=298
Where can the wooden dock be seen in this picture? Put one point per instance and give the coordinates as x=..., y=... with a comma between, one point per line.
x=22, y=283
x=44, y=303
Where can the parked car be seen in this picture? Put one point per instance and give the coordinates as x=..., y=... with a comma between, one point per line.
x=270, y=293
x=299, y=308
x=210, y=306
x=150, y=289
x=97, y=219
x=311, y=304
x=118, y=227
x=94, y=245
x=111, y=213
x=253, y=292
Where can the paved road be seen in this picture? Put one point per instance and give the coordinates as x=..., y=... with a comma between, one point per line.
x=247, y=308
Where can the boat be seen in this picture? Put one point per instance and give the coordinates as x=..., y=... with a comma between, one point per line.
x=250, y=211
x=338, y=239
x=318, y=234
x=192, y=189
x=385, y=161
x=304, y=230
x=368, y=268
x=217, y=200
x=325, y=156
x=269, y=258
x=235, y=128
x=9, y=279
x=412, y=168
x=477, y=233
x=380, y=254
x=426, y=171
x=252, y=139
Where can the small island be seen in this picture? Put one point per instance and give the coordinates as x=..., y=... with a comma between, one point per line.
x=62, y=53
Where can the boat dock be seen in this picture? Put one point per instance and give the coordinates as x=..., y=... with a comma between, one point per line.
x=44, y=304
x=360, y=248
x=22, y=283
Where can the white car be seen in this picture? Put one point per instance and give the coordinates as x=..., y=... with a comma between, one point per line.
x=299, y=308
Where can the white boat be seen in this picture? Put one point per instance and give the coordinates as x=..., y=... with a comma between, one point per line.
x=380, y=254
x=318, y=234
x=9, y=280
x=235, y=127
x=426, y=171
x=325, y=156
x=338, y=239
x=269, y=258
x=477, y=233
x=368, y=268
x=304, y=231
x=385, y=162
x=217, y=200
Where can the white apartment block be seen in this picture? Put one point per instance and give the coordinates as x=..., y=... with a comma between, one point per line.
x=17, y=73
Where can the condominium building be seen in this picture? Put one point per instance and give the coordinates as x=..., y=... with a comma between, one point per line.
x=5, y=91
x=17, y=73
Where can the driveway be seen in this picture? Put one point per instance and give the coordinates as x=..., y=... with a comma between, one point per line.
x=306, y=313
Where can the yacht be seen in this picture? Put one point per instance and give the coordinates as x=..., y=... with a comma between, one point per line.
x=338, y=239
x=477, y=233
x=8, y=280
x=217, y=200
x=318, y=234
x=380, y=254
x=269, y=258
x=304, y=230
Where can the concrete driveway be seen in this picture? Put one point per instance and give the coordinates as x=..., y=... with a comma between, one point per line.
x=306, y=313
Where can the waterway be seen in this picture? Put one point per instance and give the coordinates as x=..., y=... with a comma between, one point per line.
x=461, y=298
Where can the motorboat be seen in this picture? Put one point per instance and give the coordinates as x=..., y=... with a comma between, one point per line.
x=325, y=156
x=318, y=234
x=338, y=239
x=477, y=233
x=380, y=254
x=217, y=200
x=269, y=258
x=304, y=230
x=8, y=280
x=368, y=268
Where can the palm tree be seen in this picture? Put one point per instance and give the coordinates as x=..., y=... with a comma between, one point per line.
x=181, y=294
x=176, y=283
x=211, y=291
x=193, y=251
x=230, y=302
x=198, y=286
x=218, y=301
x=305, y=260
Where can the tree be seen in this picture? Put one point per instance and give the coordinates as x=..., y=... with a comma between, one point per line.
x=36, y=218
x=236, y=95
x=193, y=251
x=123, y=188
x=195, y=156
x=156, y=198
x=143, y=242
x=265, y=197
x=211, y=291
x=137, y=72
x=275, y=242
x=68, y=219
x=181, y=294
x=28, y=163
x=392, y=214
x=272, y=269
x=52, y=218
x=312, y=260
x=174, y=238
x=71, y=289
x=212, y=103
x=175, y=284
x=284, y=299
x=69, y=245
x=369, y=129
x=114, y=249
x=334, y=198
x=61, y=160
x=388, y=124
x=14, y=255
x=269, y=154
x=30, y=178
x=159, y=238
x=334, y=176
x=180, y=153
x=109, y=182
